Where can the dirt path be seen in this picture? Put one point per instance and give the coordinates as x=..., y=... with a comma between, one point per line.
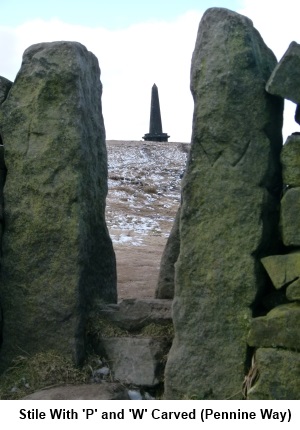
x=138, y=268
x=144, y=194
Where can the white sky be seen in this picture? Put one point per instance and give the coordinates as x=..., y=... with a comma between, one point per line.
x=139, y=43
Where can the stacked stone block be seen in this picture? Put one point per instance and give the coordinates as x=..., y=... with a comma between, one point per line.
x=277, y=335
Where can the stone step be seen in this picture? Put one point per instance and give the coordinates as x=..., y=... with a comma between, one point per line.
x=134, y=337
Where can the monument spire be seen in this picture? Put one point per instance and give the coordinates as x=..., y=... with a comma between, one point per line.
x=155, y=129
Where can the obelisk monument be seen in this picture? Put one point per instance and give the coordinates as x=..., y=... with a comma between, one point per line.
x=155, y=129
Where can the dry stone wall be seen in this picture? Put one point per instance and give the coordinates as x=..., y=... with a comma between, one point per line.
x=276, y=336
x=232, y=262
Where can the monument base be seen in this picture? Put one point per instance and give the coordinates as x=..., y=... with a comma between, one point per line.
x=155, y=137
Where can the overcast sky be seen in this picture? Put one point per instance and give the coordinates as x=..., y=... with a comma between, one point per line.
x=139, y=43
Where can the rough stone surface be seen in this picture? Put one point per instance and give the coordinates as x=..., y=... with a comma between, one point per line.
x=103, y=391
x=2, y=182
x=5, y=86
x=137, y=361
x=282, y=269
x=290, y=159
x=279, y=375
x=1, y=324
x=58, y=256
x=134, y=314
x=289, y=217
x=166, y=277
x=293, y=291
x=297, y=114
x=279, y=328
x=3, y=172
x=285, y=78
x=230, y=196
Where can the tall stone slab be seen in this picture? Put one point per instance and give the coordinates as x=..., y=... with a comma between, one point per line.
x=5, y=86
x=57, y=254
x=229, y=215
x=166, y=276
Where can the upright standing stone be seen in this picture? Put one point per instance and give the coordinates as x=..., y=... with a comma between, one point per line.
x=155, y=129
x=166, y=277
x=5, y=86
x=229, y=214
x=58, y=256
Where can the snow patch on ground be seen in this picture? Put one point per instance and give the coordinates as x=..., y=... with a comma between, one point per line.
x=144, y=182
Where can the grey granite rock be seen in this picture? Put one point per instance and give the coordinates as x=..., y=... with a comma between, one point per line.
x=166, y=277
x=230, y=199
x=103, y=391
x=290, y=159
x=285, y=78
x=279, y=375
x=279, y=328
x=289, y=217
x=282, y=269
x=136, y=360
x=5, y=86
x=57, y=253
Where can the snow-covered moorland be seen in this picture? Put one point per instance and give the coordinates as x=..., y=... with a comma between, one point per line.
x=144, y=188
x=143, y=197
